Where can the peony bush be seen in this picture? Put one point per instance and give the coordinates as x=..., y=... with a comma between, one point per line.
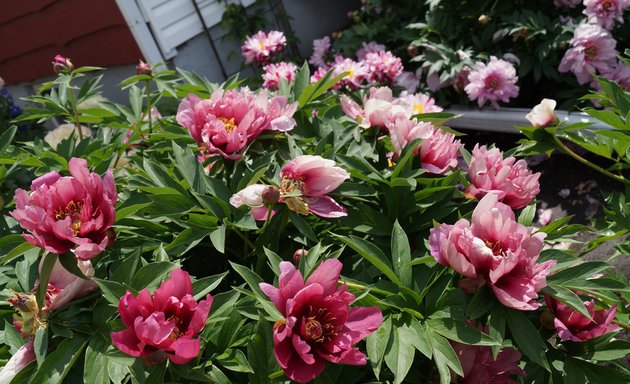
x=327, y=228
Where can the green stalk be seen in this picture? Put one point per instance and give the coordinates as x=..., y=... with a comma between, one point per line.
x=147, y=86
x=44, y=278
x=75, y=113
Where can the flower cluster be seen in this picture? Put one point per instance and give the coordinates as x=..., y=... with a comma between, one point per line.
x=261, y=47
x=492, y=82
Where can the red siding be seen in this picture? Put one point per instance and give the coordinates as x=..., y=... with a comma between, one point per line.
x=88, y=32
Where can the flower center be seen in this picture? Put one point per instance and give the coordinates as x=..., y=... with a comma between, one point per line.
x=492, y=83
x=262, y=45
x=72, y=210
x=607, y=5
x=228, y=124
x=591, y=51
x=418, y=108
x=318, y=325
x=291, y=191
x=495, y=247
x=350, y=73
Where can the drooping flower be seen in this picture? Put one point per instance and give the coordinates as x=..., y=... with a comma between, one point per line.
x=592, y=50
x=252, y=196
x=382, y=67
x=227, y=122
x=370, y=47
x=496, y=250
x=68, y=213
x=320, y=49
x=572, y=325
x=261, y=47
x=605, y=12
x=165, y=324
x=318, y=325
x=511, y=180
x=543, y=114
x=274, y=73
x=479, y=365
x=17, y=362
x=305, y=183
x=492, y=82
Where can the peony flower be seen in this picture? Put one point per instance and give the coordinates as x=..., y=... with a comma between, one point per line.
x=320, y=49
x=252, y=196
x=619, y=74
x=382, y=67
x=261, y=47
x=417, y=103
x=305, y=183
x=227, y=122
x=356, y=72
x=543, y=115
x=274, y=73
x=480, y=366
x=163, y=325
x=492, y=82
x=605, y=12
x=143, y=68
x=461, y=79
x=496, y=250
x=318, y=325
x=407, y=80
x=592, y=49
x=62, y=64
x=371, y=47
x=68, y=213
x=377, y=108
x=572, y=325
x=511, y=180
x=64, y=131
x=23, y=357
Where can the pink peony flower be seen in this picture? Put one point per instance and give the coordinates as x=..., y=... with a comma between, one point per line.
x=417, y=103
x=320, y=49
x=496, y=250
x=605, y=12
x=382, y=67
x=261, y=47
x=593, y=49
x=23, y=357
x=543, y=114
x=511, y=180
x=163, y=325
x=461, y=79
x=227, y=122
x=479, y=365
x=305, y=183
x=318, y=325
x=276, y=72
x=64, y=287
x=371, y=47
x=572, y=325
x=62, y=64
x=619, y=74
x=408, y=80
x=377, y=108
x=357, y=72
x=68, y=213
x=319, y=74
x=491, y=82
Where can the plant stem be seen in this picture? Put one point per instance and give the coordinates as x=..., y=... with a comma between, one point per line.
x=582, y=160
x=44, y=277
x=147, y=86
x=75, y=112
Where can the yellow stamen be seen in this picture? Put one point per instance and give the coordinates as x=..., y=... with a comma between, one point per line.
x=228, y=124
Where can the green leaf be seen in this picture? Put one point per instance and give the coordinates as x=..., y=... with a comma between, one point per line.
x=373, y=254
x=613, y=350
x=234, y=360
x=527, y=337
x=157, y=375
x=460, y=331
x=481, y=303
x=7, y=137
x=401, y=255
x=259, y=354
x=59, y=362
x=376, y=344
x=69, y=261
x=149, y=275
x=303, y=226
x=95, y=371
x=40, y=344
x=112, y=290
x=444, y=356
x=568, y=297
x=253, y=281
x=17, y=251
x=217, y=237
x=44, y=277
x=527, y=214
x=584, y=270
x=399, y=354
x=190, y=168
x=274, y=260
x=205, y=285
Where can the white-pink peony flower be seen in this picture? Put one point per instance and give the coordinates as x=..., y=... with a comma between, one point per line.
x=592, y=50
x=492, y=82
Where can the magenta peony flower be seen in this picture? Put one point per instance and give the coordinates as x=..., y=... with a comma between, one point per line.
x=511, y=180
x=479, y=366
x=305, y=183
x=491, y=82
x=163, y=325
x=320, y=49
x=605, y=12
x=318, y=325
x=68, y=213
x=572, y=325
x=276, y=72
x=496, y=250
x=382, y=67
x=543, y=114
x=227, y=122
x=261, y=47
x=62, y=64
x=593, y=49
x=371, y=47
x=21, y=359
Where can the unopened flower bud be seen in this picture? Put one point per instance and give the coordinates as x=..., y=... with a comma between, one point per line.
x=270, y=195
x=62, y=64
x=144, y=69
x=483, y=19
x=412, y=50
x=298, y=255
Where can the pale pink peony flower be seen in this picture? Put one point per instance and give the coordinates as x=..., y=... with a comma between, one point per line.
x=417, y=103
x=543, y=114
x=382, y=67
x=23, y=357
x=567, y=3
x=605, y=12
x=261, y=47
x=318, y=323
x=492, y=82
x=305, y=183
x=479, y=365
x=274, y=73
x=319, y=74
x=357, y=72
x=572, y=325
x=376, y=110
x=64, y=287
x=252, y=196
x=227, y=122
x=320, y=50
x=592, y=50
x=496, y=250
x=68, y=213
x=510, y=180
x=408, y=80
x=163, y=325
x=620, y=74
x=371, y=47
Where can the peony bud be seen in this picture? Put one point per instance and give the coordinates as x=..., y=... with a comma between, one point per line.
x=144, y=69
x=483, y=19
x=298, y=255
x=412, y=50
x=270, y=195
x=543, y=114
x=62, y=64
